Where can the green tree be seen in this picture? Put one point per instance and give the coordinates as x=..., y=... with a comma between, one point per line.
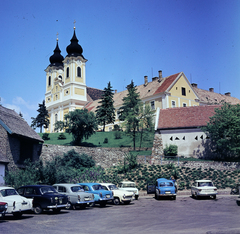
x=42, y=119
x=223, y=130
x=146, y=115
x=80, y=123
x=129, y=112
x=105, y=113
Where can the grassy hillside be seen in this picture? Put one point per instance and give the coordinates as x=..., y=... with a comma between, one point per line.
x=98, y=139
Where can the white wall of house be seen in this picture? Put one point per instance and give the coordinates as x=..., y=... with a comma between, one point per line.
x=189, y=141
x=2, y=173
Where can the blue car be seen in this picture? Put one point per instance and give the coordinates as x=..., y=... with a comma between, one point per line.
x=101, y=196
x=162, y=188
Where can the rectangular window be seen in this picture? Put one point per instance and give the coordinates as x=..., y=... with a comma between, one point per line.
x=184, y=104
x=173, y=104
x=183, y=91
x=153, y=105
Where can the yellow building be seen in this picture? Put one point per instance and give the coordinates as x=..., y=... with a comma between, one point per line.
x=66, y=88
x=161, y=93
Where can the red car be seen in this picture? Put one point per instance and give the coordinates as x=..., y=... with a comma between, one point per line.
x=3, y=208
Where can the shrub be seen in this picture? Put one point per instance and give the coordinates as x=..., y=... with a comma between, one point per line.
x=61, y=136
x=105, y=140
x=116, y=127
x=117, y=135
x=45, y=136
x=171, y=150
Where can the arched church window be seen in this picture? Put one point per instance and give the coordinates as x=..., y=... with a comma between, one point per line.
x=49, y=80
x=79, y=71
x=67, y=72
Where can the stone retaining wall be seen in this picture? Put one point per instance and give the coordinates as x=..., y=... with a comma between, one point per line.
x=105, y=157
x=108, y=157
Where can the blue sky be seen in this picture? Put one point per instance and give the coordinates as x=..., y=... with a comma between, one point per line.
x=123, y=40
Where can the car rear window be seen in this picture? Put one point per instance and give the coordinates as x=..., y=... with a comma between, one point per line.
x=47, y=190
x=131, y=185
x=77, y=189
x=202, y=184
x=165, y=184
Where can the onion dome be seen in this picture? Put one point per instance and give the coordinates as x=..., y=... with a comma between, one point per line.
x=56, y=59
x=74, y=49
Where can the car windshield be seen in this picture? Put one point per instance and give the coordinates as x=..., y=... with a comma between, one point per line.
x=97, y=187
x=8, y=192
x=203, y=184
x=77, y=189
x=165, y=184
x=47, y=190
x=127, y=185
x=112, y=187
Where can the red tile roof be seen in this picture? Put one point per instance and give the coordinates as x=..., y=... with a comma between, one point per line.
x=185, y=117
x=166, y=83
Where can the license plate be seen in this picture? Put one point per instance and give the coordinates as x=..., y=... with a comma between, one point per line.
x=167, y=192
x=108, y=196
x=86, y=199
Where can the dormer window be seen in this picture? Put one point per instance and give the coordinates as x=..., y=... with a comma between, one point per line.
x=152, y=105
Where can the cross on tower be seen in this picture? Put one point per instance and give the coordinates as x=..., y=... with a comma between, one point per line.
x=74, y=23
x=57, y=35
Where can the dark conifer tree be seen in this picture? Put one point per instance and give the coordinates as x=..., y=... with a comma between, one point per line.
x=105, y=113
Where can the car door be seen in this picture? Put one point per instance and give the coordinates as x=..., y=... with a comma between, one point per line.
x=151, y=188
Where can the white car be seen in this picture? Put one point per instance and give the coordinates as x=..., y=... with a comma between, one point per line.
x=204, y=188
x=120, y=196
x=129, y=186
x=16, y=203
x=76, y=195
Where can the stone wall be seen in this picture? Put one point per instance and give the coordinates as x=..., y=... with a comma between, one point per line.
x=104, y=157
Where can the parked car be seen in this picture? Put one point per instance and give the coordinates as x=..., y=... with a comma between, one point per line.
x=45, y=197
x=129, y=186
x=76, y=195
x=3, y=208
x=162, y=188
x=119, y=196
x=101, y=196
x=204, y=188
x=16, y=204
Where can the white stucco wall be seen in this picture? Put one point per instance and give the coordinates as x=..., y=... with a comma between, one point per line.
x=189, y=141
x=2, y=173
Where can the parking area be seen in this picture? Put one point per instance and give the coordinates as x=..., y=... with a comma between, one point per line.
x=146, y=215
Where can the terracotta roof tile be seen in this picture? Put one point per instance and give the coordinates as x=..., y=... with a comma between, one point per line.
x=94, y=93
x=166, y=83
x=184, y=117
x=207, y=97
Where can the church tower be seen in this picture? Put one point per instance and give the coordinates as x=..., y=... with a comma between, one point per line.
x=66, y=88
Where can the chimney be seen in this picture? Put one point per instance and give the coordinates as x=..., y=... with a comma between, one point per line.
x=194, y=85
x=145, y=80
x=160, y=74
x=228, y=94
x=115, y=90
x=211, y=89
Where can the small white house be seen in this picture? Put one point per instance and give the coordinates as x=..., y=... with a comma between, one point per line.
x=182, y=127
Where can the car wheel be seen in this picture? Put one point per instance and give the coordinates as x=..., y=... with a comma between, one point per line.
x=116, y=201
x=126, y=202
x=102, y=204
x=238, y=203
x=37, y=209
x=83, y=206
x=91, y=204
x=17, y=214
x=70, y=207
x=136, y=197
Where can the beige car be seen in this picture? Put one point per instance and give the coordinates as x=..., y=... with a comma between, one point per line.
x=120, y=196
x=203, y=188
